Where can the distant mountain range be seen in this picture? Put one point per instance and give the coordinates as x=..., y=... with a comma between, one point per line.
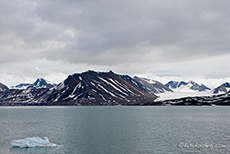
x=182, y=85
x=88, y=88
x=39, y=83
x=97, y=88
x=21, y=86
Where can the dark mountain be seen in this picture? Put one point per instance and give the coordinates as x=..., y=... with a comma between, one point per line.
x=105, y=88
x=187, y=85
x=3, y=87
x=224, y=88
x=88, y=88
x=152, y=86
x=98, y=88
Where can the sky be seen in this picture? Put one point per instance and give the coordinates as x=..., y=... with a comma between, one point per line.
x=160, y=40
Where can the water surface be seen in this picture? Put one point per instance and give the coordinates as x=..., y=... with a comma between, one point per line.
x=115, y=129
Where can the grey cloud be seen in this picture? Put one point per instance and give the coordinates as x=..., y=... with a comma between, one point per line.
x=185, y=29
x=116, y=32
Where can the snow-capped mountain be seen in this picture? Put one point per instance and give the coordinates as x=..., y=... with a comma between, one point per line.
x=152, y=86
x=183, y=86
x=21, y=86
x=224, y=88
x=88, y=88
x=39, y=83
x=108, y=88
x=3, y=87
x=97, y=88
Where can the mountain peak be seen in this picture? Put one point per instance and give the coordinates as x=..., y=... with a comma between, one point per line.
x=192, y=85
x=111, y=72
x=98, y=88
x=3, y=87
x=224, y=88
x=39, y=83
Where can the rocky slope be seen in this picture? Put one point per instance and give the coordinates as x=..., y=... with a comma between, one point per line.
x=152, y=86
x=3, y=87
x=97, y=88
x=22, y=96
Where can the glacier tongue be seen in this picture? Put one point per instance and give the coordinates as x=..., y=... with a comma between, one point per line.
x=32, y=143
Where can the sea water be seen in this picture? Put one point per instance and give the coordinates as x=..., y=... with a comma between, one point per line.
x=118, y=129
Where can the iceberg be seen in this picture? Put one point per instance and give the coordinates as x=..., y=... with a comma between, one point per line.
x=32, y=143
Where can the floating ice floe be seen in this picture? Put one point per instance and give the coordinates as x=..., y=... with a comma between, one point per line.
x=32, y=142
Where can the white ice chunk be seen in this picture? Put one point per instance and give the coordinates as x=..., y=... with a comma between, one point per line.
x=32, y=142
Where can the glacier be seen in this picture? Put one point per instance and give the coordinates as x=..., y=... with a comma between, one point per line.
x=32, y=143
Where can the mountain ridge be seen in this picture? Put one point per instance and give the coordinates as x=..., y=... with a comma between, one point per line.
x=224, y=88
x=39, y=83
x=187, y=85
x=96, y=88
x=87, y=88
x=3, y=87
x=152, y=86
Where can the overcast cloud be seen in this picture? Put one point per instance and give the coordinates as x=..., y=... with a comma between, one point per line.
x=152, y=38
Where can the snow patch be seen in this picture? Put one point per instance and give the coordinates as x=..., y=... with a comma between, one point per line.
x=180, y=94
x=94, y=90
x=93, y=84
x=77, y=87
x=102, y=97
x=115, y=87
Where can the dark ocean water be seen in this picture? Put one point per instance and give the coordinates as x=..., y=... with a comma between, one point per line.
x=118, y=129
